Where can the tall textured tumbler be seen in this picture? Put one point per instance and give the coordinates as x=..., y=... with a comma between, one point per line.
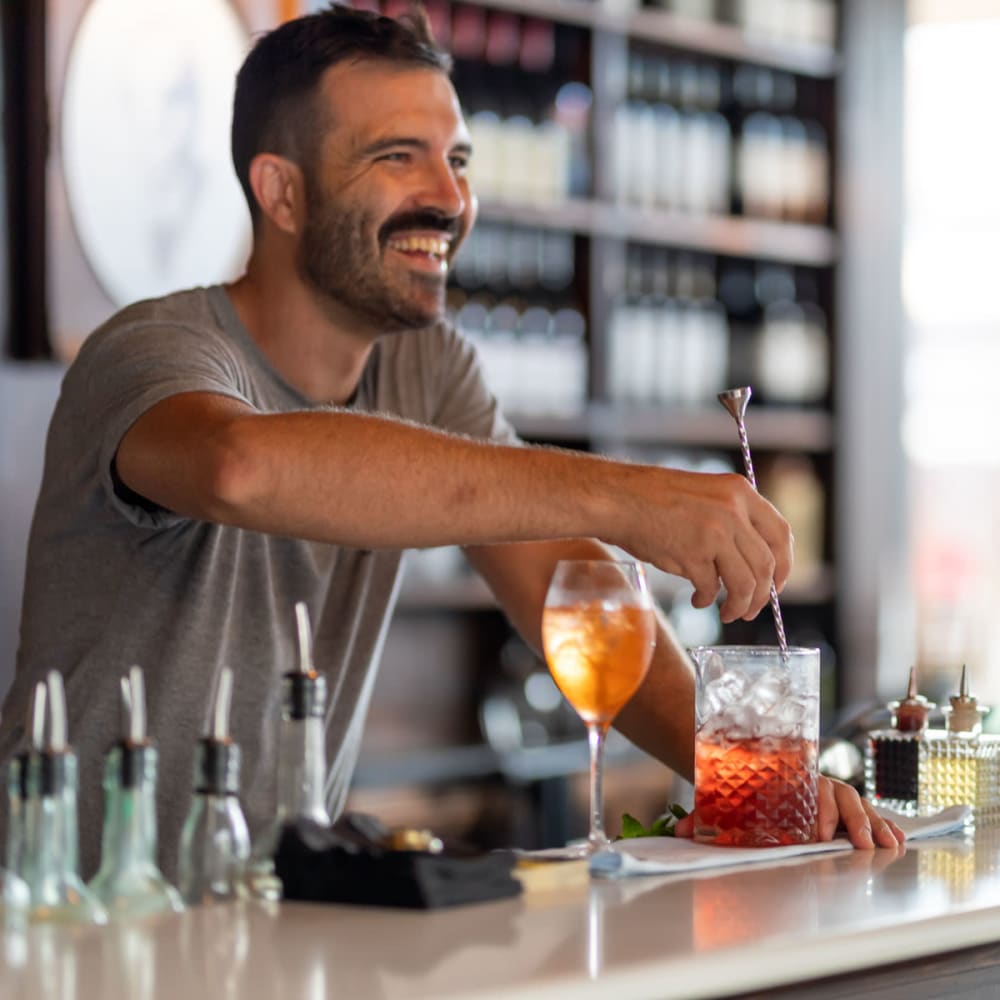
x=756, y=737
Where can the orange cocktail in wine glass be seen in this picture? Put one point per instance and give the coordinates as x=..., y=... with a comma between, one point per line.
x=598, y=630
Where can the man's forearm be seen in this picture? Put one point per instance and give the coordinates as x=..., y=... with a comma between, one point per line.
x=352, y=479
x=371, y=482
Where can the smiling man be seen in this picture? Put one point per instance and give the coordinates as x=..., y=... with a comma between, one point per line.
x=221, y=453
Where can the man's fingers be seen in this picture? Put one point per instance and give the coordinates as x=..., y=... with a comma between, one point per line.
x=829, y=816
x=884, y=832
x=761, y=562
x=778, y=538
x=685, y=827
x=740, y=583
x=705, y=578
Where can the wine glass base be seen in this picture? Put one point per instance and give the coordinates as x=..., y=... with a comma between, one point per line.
x=578, y=849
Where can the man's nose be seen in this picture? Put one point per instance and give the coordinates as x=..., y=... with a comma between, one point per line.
x=442, y=189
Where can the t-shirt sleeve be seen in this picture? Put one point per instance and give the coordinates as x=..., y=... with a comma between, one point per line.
x=464, y=403
x=121, y=374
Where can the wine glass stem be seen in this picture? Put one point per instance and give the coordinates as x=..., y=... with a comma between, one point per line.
x=596, y=732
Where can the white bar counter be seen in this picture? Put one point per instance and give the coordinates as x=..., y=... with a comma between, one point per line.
x=717, y=935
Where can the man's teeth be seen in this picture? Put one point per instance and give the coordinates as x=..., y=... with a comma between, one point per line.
x=436, y=246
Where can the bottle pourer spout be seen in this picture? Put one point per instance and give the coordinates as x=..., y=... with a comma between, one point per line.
x=965, y=715
x=304, y=629
x=304, y=690
x=36, y=717
x=133, y=691
x=221, y=704
x=57, y=712
x=910, y=714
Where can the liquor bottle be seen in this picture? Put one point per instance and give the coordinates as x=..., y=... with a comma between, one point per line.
x=960, y=765
x=128, y=882
x=892, y=757
x=51, y=844
x=215, y=842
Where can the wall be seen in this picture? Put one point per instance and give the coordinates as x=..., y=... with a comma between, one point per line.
x=28, y=392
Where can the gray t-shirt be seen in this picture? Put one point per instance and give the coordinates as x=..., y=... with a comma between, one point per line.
x=112, y=581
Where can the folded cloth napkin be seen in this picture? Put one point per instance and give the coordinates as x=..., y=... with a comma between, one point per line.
x=666, y=855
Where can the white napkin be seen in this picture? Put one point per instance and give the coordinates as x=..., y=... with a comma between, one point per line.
x=665, y=855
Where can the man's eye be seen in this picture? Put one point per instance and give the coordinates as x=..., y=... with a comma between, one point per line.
x=459, y=163
x=396, y=157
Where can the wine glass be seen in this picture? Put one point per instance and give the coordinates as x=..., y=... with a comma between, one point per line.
x=598, y=632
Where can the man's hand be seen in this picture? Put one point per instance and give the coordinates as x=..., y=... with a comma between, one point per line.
x=839, y=806
x=714, y=530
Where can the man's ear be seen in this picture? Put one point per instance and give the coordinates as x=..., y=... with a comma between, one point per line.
x=278, y=186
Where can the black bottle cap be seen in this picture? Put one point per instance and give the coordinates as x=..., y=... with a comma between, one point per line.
x=19, y=774
x=304, y=694
x=216, y=768
x=133, y=761
x=52, y=770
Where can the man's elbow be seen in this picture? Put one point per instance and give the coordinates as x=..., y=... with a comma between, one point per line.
x=232, y=477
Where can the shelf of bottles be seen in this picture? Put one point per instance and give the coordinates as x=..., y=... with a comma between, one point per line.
x=714, y=180
x=682, y=328
x=654, y=185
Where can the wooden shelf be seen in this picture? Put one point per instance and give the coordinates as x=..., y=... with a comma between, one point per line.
x=770, y=428
x=707, y=38
x=789, y=242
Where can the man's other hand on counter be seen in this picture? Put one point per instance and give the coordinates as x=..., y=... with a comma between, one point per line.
x=841, y=809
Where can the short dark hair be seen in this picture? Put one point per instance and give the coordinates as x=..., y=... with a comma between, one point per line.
x=274, y=106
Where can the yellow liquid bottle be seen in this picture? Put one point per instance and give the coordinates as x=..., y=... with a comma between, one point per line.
x=960, y=765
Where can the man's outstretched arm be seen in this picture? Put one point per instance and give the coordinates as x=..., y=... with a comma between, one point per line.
x=372, y=482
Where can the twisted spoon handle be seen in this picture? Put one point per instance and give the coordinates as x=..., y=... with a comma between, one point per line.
x=736, y=404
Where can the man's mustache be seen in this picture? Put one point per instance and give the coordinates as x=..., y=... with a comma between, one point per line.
x=448, y=225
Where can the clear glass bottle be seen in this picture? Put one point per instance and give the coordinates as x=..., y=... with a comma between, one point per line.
x=302, y=750
x=301, y=759
x=129, y=883
x=892, y=756
x=15, y=894
x=51, y=845
x=215, y=842
x=960, y=765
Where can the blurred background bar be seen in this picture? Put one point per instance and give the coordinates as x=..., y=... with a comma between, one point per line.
x=676, y=197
